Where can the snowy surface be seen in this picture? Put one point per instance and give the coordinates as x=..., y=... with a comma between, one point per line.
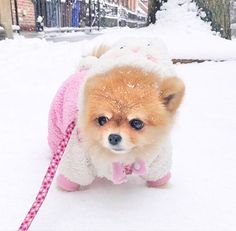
x=184, y=33
x=15, y=27
x=201, y=194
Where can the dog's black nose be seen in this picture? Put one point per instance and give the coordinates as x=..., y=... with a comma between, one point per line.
x=114, y=139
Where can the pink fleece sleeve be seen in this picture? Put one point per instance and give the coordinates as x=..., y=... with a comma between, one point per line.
x=64, y=108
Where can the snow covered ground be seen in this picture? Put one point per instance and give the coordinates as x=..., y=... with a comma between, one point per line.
x=201, y=194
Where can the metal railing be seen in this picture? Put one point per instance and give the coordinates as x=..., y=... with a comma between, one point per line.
x=86, y=13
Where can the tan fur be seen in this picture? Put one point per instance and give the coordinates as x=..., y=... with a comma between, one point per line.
x=126, y=93
x=175, y=88
x=100, y=50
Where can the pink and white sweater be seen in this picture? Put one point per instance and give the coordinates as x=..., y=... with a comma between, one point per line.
x=76, y=164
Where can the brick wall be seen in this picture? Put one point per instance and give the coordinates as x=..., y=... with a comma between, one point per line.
x=26, y=15
x=132, y=5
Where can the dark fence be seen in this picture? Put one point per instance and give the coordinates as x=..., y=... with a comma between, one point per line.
x=82, y=13
x=2, y=32
x=218, y=13
x=61, y=13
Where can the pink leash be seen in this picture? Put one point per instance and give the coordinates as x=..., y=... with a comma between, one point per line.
x=47, y=181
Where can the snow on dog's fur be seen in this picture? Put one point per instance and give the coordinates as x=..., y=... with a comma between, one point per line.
x=126, y=108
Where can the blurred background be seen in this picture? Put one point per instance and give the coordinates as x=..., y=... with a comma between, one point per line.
x=30, y=17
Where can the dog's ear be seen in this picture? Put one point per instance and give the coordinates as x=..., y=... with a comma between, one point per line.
x=100, y=50
x=171, y=93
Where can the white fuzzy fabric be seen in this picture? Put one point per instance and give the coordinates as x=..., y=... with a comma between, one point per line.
x=75, y=163
x=122, y=54
x=161, y=164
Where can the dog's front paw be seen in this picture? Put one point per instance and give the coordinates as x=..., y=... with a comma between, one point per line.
x=67, y=185
x=160, y=182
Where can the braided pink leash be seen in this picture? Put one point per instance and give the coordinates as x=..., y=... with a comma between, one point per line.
x=47, y=181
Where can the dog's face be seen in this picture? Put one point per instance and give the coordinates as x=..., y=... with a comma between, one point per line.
x=127, y=109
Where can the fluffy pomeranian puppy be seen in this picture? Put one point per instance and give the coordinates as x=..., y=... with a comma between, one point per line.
x=123, y=100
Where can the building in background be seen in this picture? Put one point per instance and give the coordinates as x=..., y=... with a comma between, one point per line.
x=23, y=14
x=5, y=19
x=132, y=13
x=78, y=13
x=143, y=6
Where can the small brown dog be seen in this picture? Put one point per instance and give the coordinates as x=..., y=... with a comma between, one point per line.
x=125, y=108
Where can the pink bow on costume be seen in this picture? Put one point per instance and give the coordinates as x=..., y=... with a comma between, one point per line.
x=120, y=171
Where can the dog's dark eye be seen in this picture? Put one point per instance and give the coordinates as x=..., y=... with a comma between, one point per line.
x=102, y=120
x=136, y=124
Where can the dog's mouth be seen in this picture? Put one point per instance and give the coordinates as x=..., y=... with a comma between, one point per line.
x=118, y=150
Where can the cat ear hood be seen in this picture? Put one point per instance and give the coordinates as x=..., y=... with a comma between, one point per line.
x=149, y=54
